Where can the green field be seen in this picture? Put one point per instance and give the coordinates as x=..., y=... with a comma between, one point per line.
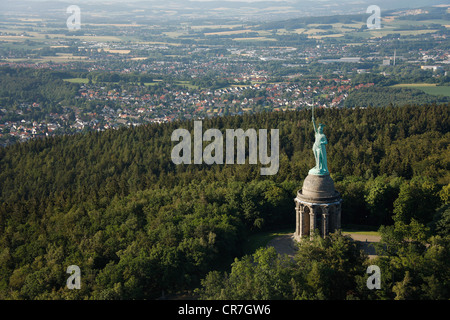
x=77, y=80
x=429, y=88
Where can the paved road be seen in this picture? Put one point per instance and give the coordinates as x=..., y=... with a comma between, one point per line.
x=284, y=244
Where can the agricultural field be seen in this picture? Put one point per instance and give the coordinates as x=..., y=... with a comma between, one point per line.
x=33, y=32
x=77, y=80
x=430, y=88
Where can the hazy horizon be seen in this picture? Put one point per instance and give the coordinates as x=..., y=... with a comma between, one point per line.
x=211, y=9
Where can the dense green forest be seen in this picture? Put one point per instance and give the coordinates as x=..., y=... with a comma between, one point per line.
x=33, y=85
x=382, y=96
x=25, y=86
x=416, y=267
x=138, y=225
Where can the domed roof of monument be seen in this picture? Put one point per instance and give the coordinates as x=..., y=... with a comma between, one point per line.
x=318, y=188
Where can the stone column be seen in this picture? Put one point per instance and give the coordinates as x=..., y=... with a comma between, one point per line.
x=325, y=221
x=312, y=221
x=301, y=212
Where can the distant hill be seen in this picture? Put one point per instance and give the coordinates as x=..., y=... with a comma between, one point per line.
x=157, y=10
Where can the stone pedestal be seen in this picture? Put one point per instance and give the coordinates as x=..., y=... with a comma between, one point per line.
x=317, y=207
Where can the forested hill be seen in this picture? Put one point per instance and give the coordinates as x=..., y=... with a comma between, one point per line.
x=114, y=204
x=385, y=96
x=403, y=141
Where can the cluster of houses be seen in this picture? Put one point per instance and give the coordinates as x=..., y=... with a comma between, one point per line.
x=23, y=130
x=116, y=107
x=250, y=85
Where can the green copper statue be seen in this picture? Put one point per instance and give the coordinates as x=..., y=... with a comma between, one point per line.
x=320, y=153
